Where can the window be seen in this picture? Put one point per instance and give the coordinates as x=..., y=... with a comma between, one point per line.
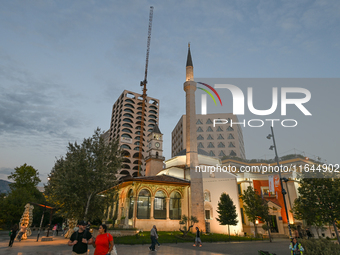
x=200, y=145
x=210, y=137
x=152, y=116
x=199, y=129
x=128, y=120
x=131, y=203
x=126, y=135
x=128, y=115
x=239, y=189
x=221, y=154
x=199, y=122
x=231, y=145
x=209, y=121
x=129, y=105
x=242, y=216
x=232, y=153
x=231, y=136
x=207, y=196
x=220, y=137
x=175, y=206
x=221, y=145
x=127, y=125
x=153, y=121
x=125, y=146
x=152, y=111
x=126, y=130
x=209, y=129
x=200, y=137
x=153, y=107
x=143, y=204
x=212, y=154
x=211, y=145
x=207, y=214
x=230, y=128
x=219, y=129
x=128, y=110
x=160, y=205
x=129, y=100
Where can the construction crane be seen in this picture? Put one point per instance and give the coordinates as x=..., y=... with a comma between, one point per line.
x=143, y=84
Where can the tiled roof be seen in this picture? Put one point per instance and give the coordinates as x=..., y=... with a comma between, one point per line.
x=273, y=200
x=157, y=178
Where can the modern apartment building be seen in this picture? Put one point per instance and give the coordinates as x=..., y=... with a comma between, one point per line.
x=219, y=141
x=126, y=127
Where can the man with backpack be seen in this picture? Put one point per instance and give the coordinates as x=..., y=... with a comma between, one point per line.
x=296, y=248
x=80, y=240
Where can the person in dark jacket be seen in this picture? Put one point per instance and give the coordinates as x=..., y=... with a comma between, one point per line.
x=14, y=231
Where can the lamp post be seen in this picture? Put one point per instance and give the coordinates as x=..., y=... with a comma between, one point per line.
x=283, y=191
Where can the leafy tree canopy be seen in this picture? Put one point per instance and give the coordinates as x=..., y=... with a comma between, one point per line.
x=226, y=211
x=24, y=177
x=78, y=178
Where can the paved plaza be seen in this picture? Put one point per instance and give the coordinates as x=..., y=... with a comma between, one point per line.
x=59, y=247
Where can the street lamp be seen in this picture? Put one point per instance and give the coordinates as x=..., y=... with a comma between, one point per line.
x=281, y=179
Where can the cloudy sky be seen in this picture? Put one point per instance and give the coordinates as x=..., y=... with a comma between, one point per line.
x=64, y=63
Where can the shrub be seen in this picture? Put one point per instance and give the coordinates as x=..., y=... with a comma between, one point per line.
x=320, y=247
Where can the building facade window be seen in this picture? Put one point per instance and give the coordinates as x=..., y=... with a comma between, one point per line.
x=212, y=154
x=175, y=212
x=199, y=129
x=230, y=128
x=220, y=137
x=232, y=153
x=143, y=204
x=200, y=137
x=209, y=121
x=231, y=136
x=199, y=122
x=222, y=154
x=221, y=145
x=231, y=145
x=160, y=205
x=211, y=145
x=200, y=145
x=219, y=129
x=207, y=197
x=207, y=214
x=209, y=129
x=210, y=137
x=131, y=204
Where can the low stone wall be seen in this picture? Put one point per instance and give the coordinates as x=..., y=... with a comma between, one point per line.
x=118, y=232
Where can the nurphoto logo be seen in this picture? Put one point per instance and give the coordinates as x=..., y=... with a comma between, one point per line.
x=238, y=100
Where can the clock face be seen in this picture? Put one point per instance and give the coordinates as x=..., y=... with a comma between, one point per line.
x=157, y=145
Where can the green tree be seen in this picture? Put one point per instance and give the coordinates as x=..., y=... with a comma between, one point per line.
x=253, y=206
x=78, y=180
x=185, y=221
x=319, y=202
x=226, y=212
x=23, y=190
x=24, y=177
x=264, y=215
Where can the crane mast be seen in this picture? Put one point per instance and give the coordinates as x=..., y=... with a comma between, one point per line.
x=143, y=84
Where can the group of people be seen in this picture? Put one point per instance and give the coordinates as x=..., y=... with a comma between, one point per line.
x=81, y=238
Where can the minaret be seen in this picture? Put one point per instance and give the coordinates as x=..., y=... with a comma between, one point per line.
x=196, y=186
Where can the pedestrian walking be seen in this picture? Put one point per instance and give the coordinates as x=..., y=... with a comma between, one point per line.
x=295, y=247
x=14, y=231
x=198, y=239
x=104, y=242
x=55, y=227
x=80, y=239
x=63, y=228
x=21, y=232
x=157, y=238
x=154, y=236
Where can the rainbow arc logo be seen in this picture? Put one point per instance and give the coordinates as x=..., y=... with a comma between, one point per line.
x=209, y=93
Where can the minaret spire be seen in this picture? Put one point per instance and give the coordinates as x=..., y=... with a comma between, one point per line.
x=189, y=67
x=196, y=185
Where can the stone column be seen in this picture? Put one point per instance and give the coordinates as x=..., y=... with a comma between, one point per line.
x=152, y=208
x=167, y=207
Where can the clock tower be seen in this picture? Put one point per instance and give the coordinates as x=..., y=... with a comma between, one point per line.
x=154, y=160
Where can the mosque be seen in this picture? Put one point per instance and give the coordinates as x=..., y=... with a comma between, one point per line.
x=173, y=188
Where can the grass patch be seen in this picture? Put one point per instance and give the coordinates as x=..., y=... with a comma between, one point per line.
x=177, y=237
